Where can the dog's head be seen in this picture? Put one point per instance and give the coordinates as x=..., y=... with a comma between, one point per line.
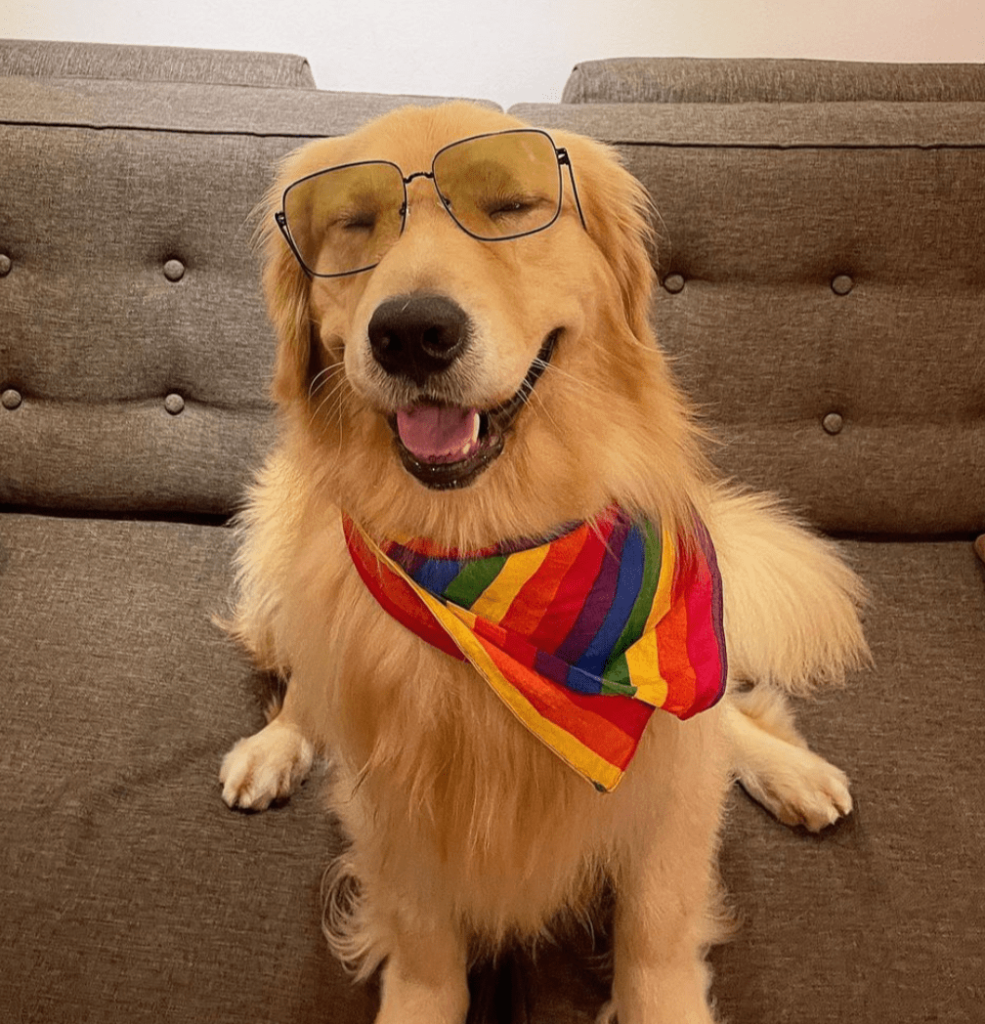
x=461, y=304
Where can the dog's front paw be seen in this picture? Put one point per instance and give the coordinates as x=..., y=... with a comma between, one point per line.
x=266, y=767
x=823, y=796
x=802, y=789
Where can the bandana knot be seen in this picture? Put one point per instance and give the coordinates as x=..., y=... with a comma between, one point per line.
x=582, y=635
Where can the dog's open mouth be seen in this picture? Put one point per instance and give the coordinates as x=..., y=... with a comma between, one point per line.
x=447, y=446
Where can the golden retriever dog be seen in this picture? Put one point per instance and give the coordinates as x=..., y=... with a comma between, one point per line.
x=464, y=361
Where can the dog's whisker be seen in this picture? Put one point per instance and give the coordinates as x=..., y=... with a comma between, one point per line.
x=339, y=408
x=336, y=396
x=336, y=393
x=329, y=395
x=528, y=401
x=571, y=378
x=321, y=379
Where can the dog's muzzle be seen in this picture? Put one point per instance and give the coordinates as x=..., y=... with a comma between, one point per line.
x=443, y=445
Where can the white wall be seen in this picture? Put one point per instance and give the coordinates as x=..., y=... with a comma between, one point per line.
x=511, y=50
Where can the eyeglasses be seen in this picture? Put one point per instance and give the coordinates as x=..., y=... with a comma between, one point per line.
x=495, y=187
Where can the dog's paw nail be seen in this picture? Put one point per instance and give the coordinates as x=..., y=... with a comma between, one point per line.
x=828, y=801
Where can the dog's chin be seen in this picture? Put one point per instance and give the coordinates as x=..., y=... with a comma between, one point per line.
x=448, y=447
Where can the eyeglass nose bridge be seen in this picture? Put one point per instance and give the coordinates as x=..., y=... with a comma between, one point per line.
x=408, y=178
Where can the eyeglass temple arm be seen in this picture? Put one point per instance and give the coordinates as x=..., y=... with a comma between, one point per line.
x=565, y=161
x=281, y=220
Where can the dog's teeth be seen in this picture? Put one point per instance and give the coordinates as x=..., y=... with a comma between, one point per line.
x=473, y=442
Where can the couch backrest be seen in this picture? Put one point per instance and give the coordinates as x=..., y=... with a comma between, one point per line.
x=153, y=64
x=135, y=353
x=823, y=294
x=714, y=80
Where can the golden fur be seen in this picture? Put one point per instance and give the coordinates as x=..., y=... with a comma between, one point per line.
x=465, y=831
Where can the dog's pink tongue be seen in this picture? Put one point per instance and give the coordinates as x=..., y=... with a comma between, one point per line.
x=439, y=433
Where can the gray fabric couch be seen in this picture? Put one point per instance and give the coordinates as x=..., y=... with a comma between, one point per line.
x=821, y=256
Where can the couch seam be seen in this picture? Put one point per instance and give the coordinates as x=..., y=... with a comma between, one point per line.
x=648, y=143
x=161, y=130
x=289, y=86
x=664, y=144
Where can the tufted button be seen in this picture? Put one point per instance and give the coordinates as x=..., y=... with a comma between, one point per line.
x=674, y=283
x=980, y=547
x=842, y=284
x=174, y=270
x=11, y=399
x=5, y=264
x=174, y=404
x=833, y=423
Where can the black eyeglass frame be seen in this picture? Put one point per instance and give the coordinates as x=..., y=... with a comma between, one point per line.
x=560, y=153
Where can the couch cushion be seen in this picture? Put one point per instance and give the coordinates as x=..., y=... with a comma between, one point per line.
x=135, y=353
x=152, y=64
x=129, y=891
x=823, y=295
x=880, y=918
x=712, y=80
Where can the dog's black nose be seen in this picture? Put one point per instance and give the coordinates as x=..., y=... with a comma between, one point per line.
x=418, y=336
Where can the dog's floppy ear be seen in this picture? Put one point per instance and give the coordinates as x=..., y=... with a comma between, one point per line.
x=618, y=211
x=285, y=287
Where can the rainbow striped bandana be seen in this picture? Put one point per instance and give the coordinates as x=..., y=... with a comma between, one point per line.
x=582, y=636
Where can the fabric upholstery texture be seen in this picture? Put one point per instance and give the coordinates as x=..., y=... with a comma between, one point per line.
x=153, y=64
x=835, y=349
x=694, y=80
x=145, y=293
x=129, y=891
x=193, y=108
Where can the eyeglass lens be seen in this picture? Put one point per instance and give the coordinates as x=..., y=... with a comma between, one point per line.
x=347, y=218
x=500, y=186
x=495, y=187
